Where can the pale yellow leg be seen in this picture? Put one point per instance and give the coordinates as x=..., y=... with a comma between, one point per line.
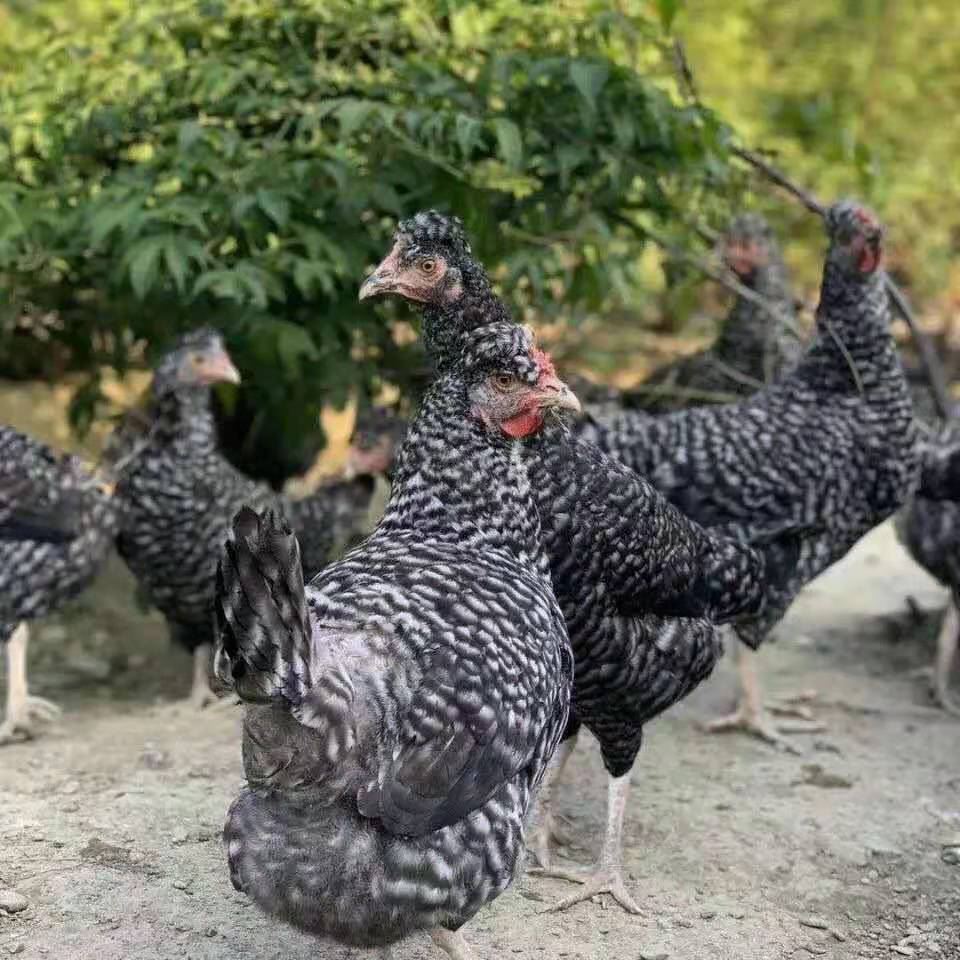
x=608, y=874
x=200, y=693
x=22, y=709
x=751, y=715
x=453, y=944
x=546, y=830
x=946, y=656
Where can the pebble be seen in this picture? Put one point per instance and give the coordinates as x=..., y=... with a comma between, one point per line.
x=653, y=955
x=951, y=855
x=17, y=948
x=179, y=885
x=815, y=923
x=903, y=951
x=13, y=902
x=707, y=914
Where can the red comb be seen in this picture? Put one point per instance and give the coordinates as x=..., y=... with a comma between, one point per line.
x=865, y=218
x=543, y=361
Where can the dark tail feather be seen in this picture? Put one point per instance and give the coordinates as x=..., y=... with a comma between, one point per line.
x=263, y=624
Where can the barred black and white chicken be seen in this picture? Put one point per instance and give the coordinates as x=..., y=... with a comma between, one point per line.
x=181, y=493
x=57, y=526
x=824, y=455
x=929, y=527
x=753, y=347
x=641, y=587
x=402, y=709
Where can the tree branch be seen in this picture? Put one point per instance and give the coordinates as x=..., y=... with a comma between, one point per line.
x=928, y=355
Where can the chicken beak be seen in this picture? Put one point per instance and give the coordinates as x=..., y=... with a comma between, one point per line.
x=219, y=368
x=556, y=395
x=383, y=279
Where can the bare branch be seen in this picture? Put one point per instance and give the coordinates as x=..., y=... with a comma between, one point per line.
x=928, y=355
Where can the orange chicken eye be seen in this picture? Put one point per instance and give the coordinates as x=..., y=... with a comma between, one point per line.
x=504, y=381
x=428, y=266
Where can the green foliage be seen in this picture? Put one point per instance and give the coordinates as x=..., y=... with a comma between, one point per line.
x=854, y=97
x=243, y=163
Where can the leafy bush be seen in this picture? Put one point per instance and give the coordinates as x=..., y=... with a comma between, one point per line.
x=174, y=163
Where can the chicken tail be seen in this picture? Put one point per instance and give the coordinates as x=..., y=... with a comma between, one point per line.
x=263, y=623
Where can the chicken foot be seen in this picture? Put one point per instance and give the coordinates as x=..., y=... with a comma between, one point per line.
x=452, y=943
x=751, y=714
x=939, y=672
x=546, y=829
x=608, y=874
x=22, y=709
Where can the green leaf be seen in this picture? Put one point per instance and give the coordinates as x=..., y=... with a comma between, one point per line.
x=352, y=115
x=589, y=79
x=143, y=262
x=468, y=134
x=294, y=345
x=509, y=142
x=274, y=205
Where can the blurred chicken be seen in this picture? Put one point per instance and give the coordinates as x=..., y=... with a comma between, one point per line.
x=56, y=527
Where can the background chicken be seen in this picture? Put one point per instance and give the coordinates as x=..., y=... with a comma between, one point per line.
x=400, y=717
x=56, y=528
x=753, y=347
x=929, y=528
x=641, y=587
x=822, y=457
x=180, y=494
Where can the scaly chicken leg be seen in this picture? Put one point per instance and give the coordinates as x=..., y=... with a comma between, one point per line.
x=22, y=709
x=546, y=822
x=939, y=672
x=751, y=714
x=452, y=943
x=200, y=693
x=608, y=875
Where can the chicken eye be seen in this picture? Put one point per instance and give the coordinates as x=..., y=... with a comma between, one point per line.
x=504, y=381
x=428, y=266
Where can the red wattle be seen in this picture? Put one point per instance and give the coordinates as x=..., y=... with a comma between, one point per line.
x=523, y=424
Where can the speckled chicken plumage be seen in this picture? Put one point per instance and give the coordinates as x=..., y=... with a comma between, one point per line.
x=181, y=494
x=404, y=716
x=642, y=588
x=929, y=526
x=821, y=457
x=56, y=528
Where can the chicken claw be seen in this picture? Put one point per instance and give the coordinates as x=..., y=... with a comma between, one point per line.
x=19, y=724
x=605, y=880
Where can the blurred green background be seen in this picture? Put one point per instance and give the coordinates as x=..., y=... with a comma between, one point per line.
x=165, y=164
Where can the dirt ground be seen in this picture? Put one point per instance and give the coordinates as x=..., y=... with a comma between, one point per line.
x=109, y=824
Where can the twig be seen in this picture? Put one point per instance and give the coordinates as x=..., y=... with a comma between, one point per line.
x=724, y=278
x=928, y=356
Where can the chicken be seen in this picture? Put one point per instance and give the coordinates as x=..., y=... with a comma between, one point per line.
x=641, y=587
x=401, y=711
x=929, y=527
x=752, y=349
x=181, y=494
x=56, y=528
x=825, y=455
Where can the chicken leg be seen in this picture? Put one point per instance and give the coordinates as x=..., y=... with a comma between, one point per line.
x=452, y=943
x=939, y=673
x=22, y=709
x=751, y=715
x=200, y=693
x=608, y=875
x=545, y=831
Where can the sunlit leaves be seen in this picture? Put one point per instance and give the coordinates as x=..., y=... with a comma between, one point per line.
x=244, y=163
